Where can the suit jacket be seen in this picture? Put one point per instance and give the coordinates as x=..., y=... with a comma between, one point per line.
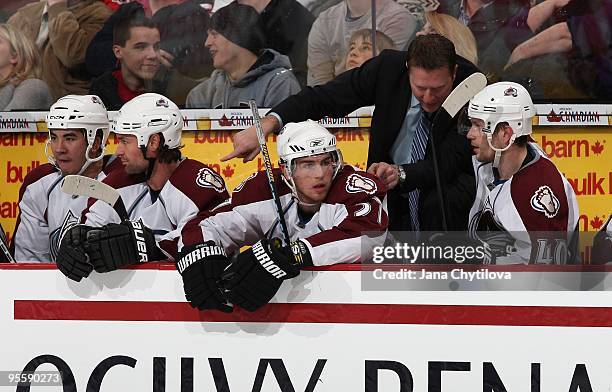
x=384, y=82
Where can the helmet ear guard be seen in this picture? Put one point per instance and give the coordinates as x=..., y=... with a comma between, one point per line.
x=85, y=112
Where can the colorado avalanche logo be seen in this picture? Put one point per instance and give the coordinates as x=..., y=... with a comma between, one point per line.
x=161, y=102
x=356, y=183
x=55, y=238
x=207, y=178
x=545, y=201
x=510, y=92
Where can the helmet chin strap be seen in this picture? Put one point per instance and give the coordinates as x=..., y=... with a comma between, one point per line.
x=499, y=151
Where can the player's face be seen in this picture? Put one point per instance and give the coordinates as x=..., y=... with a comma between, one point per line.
x=313, y=177
x=359, y=51
x=478, y=141
x=140, y=56
x=223, y=51
x=68, y=147
x=431, y=87
x=130, y=154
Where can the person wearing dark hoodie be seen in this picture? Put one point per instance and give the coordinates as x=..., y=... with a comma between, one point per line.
x=244, y=69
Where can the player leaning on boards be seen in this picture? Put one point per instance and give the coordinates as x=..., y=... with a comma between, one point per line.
x=161, y=190
x=520, y=191
x=78, y=129
x=328, y=208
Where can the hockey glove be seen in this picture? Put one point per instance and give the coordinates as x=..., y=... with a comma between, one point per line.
x=72, y=260
x=201, y=267
x=257, y=273
x=116, y=245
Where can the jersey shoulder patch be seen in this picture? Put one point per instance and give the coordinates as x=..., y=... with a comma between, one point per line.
x=545, y=201
x=208, y=178
x=353, y=186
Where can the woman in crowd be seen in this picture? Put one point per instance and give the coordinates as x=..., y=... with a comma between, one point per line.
x=451, y=28
x=20, y=88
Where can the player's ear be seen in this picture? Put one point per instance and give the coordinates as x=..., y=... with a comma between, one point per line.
x=283, y=168
x=96, y=146
x=154, y=142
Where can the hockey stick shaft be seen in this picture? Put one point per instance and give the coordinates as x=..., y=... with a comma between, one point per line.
x=85, y=186
x=460, y=95
x=268, y=166
x=4, y=246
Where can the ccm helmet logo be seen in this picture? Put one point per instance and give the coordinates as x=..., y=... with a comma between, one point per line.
x=264, y=260
x=56, y=117
x=141, y=245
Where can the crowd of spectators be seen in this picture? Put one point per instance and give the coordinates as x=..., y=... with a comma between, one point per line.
x=269, y=49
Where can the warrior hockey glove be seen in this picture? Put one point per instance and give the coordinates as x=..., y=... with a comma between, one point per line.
x=256, y=275
x=116, y=245
x=201, y=267
x=72, y=260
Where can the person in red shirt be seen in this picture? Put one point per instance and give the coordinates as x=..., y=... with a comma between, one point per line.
x=136, y=47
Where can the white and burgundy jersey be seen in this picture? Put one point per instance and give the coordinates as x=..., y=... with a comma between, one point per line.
x=354, y=207
x=531, y=217
x=192, y=187
x=45, y=213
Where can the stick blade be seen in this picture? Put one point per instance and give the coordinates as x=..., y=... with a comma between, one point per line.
x=465, y=91
x=85, y=186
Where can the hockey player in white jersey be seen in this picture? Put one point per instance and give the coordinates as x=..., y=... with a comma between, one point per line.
x=160, y=188
x=328, y=208
x=78, y=130
x=525, y=209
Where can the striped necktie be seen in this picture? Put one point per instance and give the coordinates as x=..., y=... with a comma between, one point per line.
x=419, y=144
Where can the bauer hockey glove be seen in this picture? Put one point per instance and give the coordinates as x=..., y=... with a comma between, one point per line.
x=72, y=259
x=257, y=273
x=113, y=246
x=201, y=267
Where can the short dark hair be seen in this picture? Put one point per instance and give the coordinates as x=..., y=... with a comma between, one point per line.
x=135, y=18
x=431, y=51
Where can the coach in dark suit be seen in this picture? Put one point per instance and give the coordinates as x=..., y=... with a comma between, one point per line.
x=403, y=86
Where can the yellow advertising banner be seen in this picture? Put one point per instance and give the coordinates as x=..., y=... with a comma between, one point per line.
x=583, y=154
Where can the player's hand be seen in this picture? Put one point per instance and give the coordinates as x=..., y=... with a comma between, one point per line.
x=246, y=145
x=72, y=260
x=257, y=273
x=386, y=172
x=201, y=267
x=116, y=245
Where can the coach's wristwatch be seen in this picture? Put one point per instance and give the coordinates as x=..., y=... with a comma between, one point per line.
x=401, y=174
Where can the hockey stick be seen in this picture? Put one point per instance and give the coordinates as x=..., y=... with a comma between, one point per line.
x=85, y=186
x=268, y=165
x=460, y=95
x=4, y=247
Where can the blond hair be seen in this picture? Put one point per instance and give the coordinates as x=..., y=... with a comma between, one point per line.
x=382, y=40
x=458, y=33
x=28, y=65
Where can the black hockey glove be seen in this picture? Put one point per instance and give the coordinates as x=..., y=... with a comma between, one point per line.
x=257, y=273
x=72, y=260
x=116, y=245
x=201, y=267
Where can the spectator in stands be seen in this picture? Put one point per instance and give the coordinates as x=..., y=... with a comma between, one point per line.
x=62, y=31
x=135, y=45
x=451, y=28
x=582, y=36
x=331, y=31
x=498, y=27
x=243, y=68
x=286, y=25
x=20, y=88
x=360, y=47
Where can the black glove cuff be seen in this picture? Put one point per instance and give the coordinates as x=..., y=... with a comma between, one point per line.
x=301, y=254
x=201, y=252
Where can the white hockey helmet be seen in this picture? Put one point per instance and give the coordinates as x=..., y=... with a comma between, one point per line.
x=503, y=102
x=148, y=114
x=86, y=112
x=304, y=139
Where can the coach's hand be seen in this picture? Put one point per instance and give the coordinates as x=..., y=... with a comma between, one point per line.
x=257, y=273
x=246, y=145
x=72, y=260
x=116, y=245
x=201, y=267
x=388, y=174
